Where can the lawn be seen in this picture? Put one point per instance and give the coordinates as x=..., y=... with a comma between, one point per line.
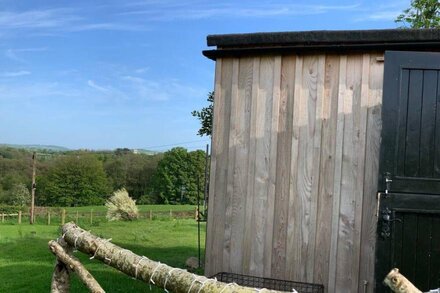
x=26, y=264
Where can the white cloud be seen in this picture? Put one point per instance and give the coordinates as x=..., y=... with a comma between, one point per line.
x=163, y=90
x=261, y=9
x=381, y=15
x=142, y=70
x=15, y=73
x=32, y=19
x=102, y=89
x=49, y=22
x=13, y=54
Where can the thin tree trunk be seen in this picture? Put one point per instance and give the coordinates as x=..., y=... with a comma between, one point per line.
x=398, y=283
x=75, y=266
x=140, y=267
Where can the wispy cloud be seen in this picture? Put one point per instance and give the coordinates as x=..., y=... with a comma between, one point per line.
x=142, y=70
x=163, y=90
x=54, y=21
x=15, y=73
x=32, y=19
x=93, y=85
x=13, y=54
x=264, y=9
x=380, y=15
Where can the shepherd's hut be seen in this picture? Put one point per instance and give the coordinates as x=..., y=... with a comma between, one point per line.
x=326, y=157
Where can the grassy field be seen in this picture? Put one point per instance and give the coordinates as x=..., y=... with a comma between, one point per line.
x=26, y=264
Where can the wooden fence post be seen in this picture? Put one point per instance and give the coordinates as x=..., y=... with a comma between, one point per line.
x=19, y=217
x=151, y=215
x=91, y=216
x=63, y=216
x=48, y=217
x=3, y=217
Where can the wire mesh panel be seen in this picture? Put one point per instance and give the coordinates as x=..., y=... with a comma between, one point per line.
x=274, y=284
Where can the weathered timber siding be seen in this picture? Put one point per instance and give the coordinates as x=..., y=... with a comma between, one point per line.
x=294, y=168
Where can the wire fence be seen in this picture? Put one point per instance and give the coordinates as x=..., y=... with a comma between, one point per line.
x=62, y=216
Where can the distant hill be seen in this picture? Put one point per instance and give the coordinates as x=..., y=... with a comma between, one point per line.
x=36, y=147
x=147, y=152
x=55, y=148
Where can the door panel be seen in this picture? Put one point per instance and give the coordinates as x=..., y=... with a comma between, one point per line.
x=408, y=239
x=408, y=235
x=410, y=153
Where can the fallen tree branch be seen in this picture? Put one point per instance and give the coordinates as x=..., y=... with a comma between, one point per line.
x=140, y=267
x=75, y=266
x=60, y=278
x=398, y=283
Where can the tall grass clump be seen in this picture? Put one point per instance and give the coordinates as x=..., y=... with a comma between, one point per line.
x=121, y=207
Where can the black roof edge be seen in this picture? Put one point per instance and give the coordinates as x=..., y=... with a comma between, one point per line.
x=324, y=37
x=329, y=41
x=237, y=52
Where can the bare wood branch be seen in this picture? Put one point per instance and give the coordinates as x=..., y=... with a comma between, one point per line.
x=75, y=266
x=398, y=283
x=140, y=267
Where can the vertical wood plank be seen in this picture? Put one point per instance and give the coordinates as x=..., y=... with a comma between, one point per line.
x=412, y=151
x=273, y=136
x=308, y=164
x=221, y=164
x=233, y=132
x=209, y=249
x=240, y=173
x=247, y=239
x=337, y=174
x=283, y=167
x=360, y=130
x=428, y=125
x=372, y=145
x=292, y=266
x=261, y=185
x=351, y=159
x=326, y=171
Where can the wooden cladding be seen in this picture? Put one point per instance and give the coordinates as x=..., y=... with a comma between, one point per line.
x=294, y=168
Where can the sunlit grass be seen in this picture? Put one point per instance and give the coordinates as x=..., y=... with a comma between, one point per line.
x=26, y=264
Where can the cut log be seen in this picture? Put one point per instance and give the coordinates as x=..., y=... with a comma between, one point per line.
x=140, y=267
x=74, y=265
x=398, y=283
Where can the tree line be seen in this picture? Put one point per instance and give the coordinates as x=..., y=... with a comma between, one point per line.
x=78, y=178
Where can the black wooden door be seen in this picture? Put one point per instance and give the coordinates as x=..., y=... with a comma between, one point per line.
x=409, y=179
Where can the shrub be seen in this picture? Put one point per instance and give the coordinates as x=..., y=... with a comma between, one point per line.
x=121, y=207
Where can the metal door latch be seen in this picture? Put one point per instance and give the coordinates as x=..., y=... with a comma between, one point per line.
x=386, y=222
x=388, y=181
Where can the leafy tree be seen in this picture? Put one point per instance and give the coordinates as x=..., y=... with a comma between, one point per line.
x=19, y=195
x=133, y=172
x=421, y=14
x=205, y=116
x=177, y=174
x=73, y=181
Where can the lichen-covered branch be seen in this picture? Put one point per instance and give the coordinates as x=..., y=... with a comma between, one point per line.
x=140, y=267
x=61, y=274
x=398, y=283
x=60, y=279
x=74, y=264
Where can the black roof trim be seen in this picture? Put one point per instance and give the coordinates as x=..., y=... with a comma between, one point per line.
x=282, y=42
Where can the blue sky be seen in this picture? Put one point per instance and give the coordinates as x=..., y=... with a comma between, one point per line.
x=108, y=74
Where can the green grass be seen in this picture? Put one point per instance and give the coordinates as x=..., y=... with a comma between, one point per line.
x=26, y=264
